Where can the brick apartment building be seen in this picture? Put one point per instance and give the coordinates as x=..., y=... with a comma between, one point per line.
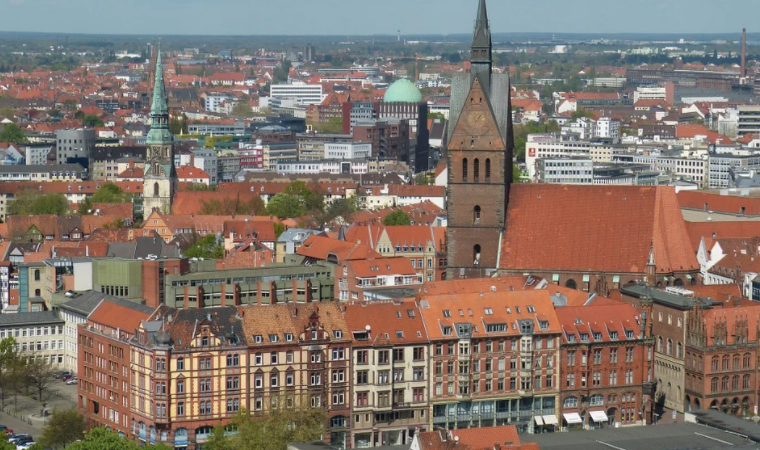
x=607, y=365
x=104, y=369
x=721, y=358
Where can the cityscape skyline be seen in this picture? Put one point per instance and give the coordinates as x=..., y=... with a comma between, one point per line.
x=338, y=17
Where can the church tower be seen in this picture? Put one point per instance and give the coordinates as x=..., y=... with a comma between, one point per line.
x=479, y=150
x=160, y=178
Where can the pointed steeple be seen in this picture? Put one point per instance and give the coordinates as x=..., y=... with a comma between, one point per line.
x=159, y=109
x=159, y=105
x=482, y=35
x=480, y=52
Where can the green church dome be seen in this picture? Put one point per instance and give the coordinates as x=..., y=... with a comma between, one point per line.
x=404, y=91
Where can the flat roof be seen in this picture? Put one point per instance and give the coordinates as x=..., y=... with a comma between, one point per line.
x=682, y=436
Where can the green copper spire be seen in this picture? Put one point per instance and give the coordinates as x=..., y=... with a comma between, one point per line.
x=159, y=110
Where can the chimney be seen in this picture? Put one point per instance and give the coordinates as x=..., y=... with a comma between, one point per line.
x=744, y=53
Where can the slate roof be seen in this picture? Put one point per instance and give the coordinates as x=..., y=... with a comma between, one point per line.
x=30, y=318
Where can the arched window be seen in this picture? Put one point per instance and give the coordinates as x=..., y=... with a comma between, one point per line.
x=476, y=215
x=736, y=362
x=476, y=254
x=715, y=363
x=338, y=422
x=745, y=382
x=725, y=362
x=724, y=384
x=714, y=385
x=155, y=189
x=36, y=274
x=679, y=350
x=488, y=170
x=670, y=346
x=37, y=293
x=747, y=358
x=571, y=402
x=464, y=169
x=596, y=400
x=659, y=344
x=571, y=284
x=476, y=170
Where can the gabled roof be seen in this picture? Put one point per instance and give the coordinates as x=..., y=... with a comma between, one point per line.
x=617, y=317
x=440, y=311
x=390, y=323
x=370, y=268
x=595, y=228
x=321, y=247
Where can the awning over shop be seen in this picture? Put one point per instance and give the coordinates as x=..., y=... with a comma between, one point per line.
x=599, y=416
x=539, y=420
x=550, y=420
x=572, y=418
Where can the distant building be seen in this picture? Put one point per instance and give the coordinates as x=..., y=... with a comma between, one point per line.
x=749, y=120
x=74, y=146
x=302, y=93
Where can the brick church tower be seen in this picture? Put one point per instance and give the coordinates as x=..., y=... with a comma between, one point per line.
x=479, y=148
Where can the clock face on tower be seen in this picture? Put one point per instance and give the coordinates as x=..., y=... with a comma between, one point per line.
x=476, y=123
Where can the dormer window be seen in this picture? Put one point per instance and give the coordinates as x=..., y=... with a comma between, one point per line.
x=338, y=334
x=597, y=336
x=204, y=341
x=584, y=337
x=258, y=339
x=314, y=335
x=629, y=334
x=613, y=335
x=273, y=338
x=447, y=331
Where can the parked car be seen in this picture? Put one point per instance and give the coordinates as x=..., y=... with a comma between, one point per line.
x=24, y=445
x=67, y=376
x=18, y=437
x=72, y=381
x=62, y=373
x=6, y=430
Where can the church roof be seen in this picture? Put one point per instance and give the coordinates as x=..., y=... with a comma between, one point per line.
x=595, y=228
x=482, y=34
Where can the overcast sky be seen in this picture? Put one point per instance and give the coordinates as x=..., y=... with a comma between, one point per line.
x=352, y=17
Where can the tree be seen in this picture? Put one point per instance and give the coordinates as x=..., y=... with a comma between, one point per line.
x=300, y=423
x=582, y=113
x=92, y=121
x=205, y=247
x=278, y=229
x=63, y=428
x=285, y=206
x=30, y=202
x=9, y=354
x=40, y=376
x=13, y=133
x=312, y=199
x=4, y=444
x=515, y=173
x=108, y=193
x=424, y=178
x=397, y=217
x=242, y=109
x=334, y=125
x=100, y=439
x=437, y=116
x=344, y=209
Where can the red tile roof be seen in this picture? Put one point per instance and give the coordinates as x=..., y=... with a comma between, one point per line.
x=386, y=320
x=595, y=228
x=115, y=316
x=711, y=201
x=616, y=317
x=320, y=247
